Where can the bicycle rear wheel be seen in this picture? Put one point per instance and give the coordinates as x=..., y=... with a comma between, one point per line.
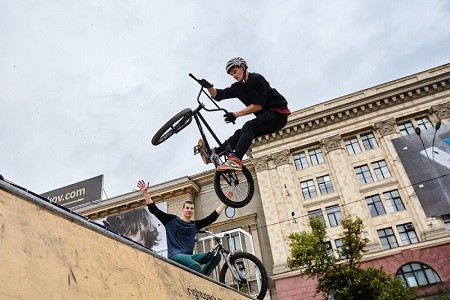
x=240, y=183
x=253, y=276
x=174, y=125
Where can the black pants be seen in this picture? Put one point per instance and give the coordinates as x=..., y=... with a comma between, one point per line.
x=265, y=123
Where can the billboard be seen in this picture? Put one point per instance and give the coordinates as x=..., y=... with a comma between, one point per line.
x=78, y=193
x=140, y=226
x=426, y=159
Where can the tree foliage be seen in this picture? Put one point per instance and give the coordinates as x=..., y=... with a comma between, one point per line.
x=443, y=295
x=339, y=274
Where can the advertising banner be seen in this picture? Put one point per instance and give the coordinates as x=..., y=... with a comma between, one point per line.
x=140, y=226
x=426, y=159
x=78, y=193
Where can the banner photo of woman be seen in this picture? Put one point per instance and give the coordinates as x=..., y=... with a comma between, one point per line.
x=140, y=226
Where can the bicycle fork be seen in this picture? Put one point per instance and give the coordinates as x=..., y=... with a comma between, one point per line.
x=234, y=270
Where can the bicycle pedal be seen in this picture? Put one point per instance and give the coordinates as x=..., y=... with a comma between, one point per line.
x=216, y=160
x=197, y=150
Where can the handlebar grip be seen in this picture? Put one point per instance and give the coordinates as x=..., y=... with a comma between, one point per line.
x=193, y=77
x=226, y=111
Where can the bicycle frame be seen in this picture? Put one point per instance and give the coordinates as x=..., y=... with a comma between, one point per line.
x=239, y=182
x=242, y=271
x=199, y=120
x=226, y=254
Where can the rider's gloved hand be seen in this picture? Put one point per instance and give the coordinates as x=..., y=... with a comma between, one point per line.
x=204, y=83
x=229, y=117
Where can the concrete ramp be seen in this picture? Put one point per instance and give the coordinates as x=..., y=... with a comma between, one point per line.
x=47, y=252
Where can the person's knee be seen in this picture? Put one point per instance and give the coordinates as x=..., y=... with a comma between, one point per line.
x=196, y=267
x=192, y=264
x=248, y=129
x=187, y=262
x=237, y=133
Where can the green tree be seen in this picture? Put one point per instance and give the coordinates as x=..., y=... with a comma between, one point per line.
x=443, y=295
x=341, y=275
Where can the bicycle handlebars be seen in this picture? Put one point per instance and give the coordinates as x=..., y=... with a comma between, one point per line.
x=212, y=100
x=193, y=77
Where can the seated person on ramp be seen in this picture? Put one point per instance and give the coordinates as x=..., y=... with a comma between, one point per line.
x=181, y=232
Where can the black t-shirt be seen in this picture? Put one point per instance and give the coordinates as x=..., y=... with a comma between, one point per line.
x=256, y=90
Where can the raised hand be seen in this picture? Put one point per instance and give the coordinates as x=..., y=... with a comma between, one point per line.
x=142, y=185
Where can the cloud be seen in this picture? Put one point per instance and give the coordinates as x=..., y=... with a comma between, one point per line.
x=86, y=84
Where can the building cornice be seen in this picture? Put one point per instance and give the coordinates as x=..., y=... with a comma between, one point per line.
x=374, y=99
x=442, y=111
x=135, y=200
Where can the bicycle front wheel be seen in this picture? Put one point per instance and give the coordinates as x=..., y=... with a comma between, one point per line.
x=239, y=183
x=252, y=280
x=174, y=125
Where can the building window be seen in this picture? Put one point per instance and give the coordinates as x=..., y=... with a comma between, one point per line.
x=339, y=244
x=407, y=234
x=325, y=185
x=329, y=249
x=369, y=141
x=376, y=208
x=308, y=189
x=363, y=174
x=381, y=169
x=417, y=274
x=394, y=202
x=316, y=213
x=424, y=123
x=300, y=161
x=446, y=219
x=235, y=243
x=352, y=146
x=316, y=156
x=334, y=215
x=387, y=238
x=406, y=128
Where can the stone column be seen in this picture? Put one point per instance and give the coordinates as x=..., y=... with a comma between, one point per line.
x=386, y=127
x=343, y=175
x=275, y=181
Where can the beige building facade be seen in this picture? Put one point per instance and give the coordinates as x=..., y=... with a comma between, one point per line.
x=338, y=158
x=333, y=159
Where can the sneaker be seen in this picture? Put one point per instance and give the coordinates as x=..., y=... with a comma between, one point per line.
x=232, y=163
x=202, y=151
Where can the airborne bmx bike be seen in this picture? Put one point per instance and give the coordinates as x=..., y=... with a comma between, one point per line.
x=241, y=271
x=240, y=183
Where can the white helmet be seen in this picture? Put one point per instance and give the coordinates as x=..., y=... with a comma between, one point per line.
x=236, y=62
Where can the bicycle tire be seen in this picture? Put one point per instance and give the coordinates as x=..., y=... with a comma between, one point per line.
x=239, y=182
x=254, y=270
x=174, y=125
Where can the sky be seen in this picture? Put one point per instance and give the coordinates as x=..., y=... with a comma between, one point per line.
x=84, y=85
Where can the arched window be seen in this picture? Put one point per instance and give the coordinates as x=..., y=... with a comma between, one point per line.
x=417, y=274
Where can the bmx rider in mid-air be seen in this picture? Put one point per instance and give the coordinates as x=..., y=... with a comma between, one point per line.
x=260, y=99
